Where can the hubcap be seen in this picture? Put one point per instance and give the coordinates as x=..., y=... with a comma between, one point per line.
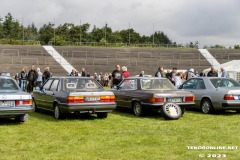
x=172, y=109
x=137, y=108
x=56, y=112
x=205, y=107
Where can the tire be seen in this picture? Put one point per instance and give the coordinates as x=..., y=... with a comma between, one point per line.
x=34, y=105
x=206, y=106
x=238, y=111
x=183, y=109
x=138, y=109
x=58, y=113
x=22, y=118
x=171, y=111
x=102, y=115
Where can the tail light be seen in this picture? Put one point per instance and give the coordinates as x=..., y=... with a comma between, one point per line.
x=107, y=98
x=190, y=99
x=157, y=99
x=228, y=97
x=23, y=102
x=75, y=99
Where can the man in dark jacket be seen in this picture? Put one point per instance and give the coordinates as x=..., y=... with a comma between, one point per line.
x=46, y=74
x=31, y=79
x=212, y=72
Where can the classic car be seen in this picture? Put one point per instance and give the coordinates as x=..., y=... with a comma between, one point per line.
x=141, y=93
x=63, y=95
x=214, y=93
x=14, y=103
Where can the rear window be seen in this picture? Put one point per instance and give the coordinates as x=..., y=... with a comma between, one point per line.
x=225, y=83
x=8, y=84
x=157, y=84
x=75, y=84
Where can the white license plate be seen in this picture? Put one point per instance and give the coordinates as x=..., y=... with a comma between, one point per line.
x=91, y=98
x=7, y=103
x=174, y=100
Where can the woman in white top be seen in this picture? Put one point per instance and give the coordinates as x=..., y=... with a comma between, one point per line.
x=178, y=79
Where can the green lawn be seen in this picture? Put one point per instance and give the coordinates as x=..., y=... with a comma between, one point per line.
x=120, y=136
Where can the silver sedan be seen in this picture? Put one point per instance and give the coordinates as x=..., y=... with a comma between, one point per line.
x=14, y=103
x=214, y=93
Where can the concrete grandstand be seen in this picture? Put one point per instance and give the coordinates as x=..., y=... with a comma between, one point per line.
x=103, y=59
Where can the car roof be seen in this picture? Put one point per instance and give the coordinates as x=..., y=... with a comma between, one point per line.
x=71, y=77
x=5, y=77
x=145, y=78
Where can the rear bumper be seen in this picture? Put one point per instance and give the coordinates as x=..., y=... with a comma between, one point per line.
x=231, y=105
x=14, y=111
x=88, y=107
x=156, y=106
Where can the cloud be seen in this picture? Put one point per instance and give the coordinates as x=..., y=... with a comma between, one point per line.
x=183, y=20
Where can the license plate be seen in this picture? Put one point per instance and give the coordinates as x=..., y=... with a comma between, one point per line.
x=174, y=100
x=7, y=103
x=91, y=98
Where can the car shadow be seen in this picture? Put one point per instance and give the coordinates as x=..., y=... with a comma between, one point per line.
x=48, y=116
x=127, y=112
x=215, y=113
x=9, y=121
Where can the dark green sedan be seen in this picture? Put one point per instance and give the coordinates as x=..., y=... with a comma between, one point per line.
x=64, y=95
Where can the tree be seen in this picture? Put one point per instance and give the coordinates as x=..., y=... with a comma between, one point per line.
x=160, y=38
x=46, y=33
x=134, y=36
x=11, y=28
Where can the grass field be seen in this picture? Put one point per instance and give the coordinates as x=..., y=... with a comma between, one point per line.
x=120, y=136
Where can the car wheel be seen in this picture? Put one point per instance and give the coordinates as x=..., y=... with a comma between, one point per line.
x=183, y=109
x=22, y=118
x=206, y=106
x=102, y=115
x=171, y=111
x=57, y=113
x=34, y=105
x=138, y=109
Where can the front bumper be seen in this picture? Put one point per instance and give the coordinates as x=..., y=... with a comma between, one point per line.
x=88, y=107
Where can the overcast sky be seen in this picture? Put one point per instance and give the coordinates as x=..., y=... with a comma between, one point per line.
x=208, y=21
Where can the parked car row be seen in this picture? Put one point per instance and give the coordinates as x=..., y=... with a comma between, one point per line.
x=80, y=95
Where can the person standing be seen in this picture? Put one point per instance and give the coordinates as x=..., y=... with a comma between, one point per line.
x=84, y=73
x=160, y=72
x=178, y=79
x=23, y=79
x=212, y=72
x=141, y=74
x=46, y=74
x=39, y=78
x=125, y=73
x=73, y=73
x=224, y=73
x=31, y=79
x=116, y=76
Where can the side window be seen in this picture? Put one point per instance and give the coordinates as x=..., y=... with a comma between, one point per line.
x=54, y=85
x=129, y=84
x=190, y=84
x=200, y=84
x=47, y=84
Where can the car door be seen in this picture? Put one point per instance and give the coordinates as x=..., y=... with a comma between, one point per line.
x=44, y=91
x=40, y=96
x=119, y=94
x=51, y=94
x=130, y=93
x=197, y=87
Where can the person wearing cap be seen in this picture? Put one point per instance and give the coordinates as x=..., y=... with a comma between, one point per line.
x=191, y=73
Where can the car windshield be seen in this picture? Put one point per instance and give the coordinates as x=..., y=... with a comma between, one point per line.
x=74, y=84
x=226, y=83
x=8, y=84
x=157, y=84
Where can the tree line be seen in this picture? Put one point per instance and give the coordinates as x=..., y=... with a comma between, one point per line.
x=12, y=31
